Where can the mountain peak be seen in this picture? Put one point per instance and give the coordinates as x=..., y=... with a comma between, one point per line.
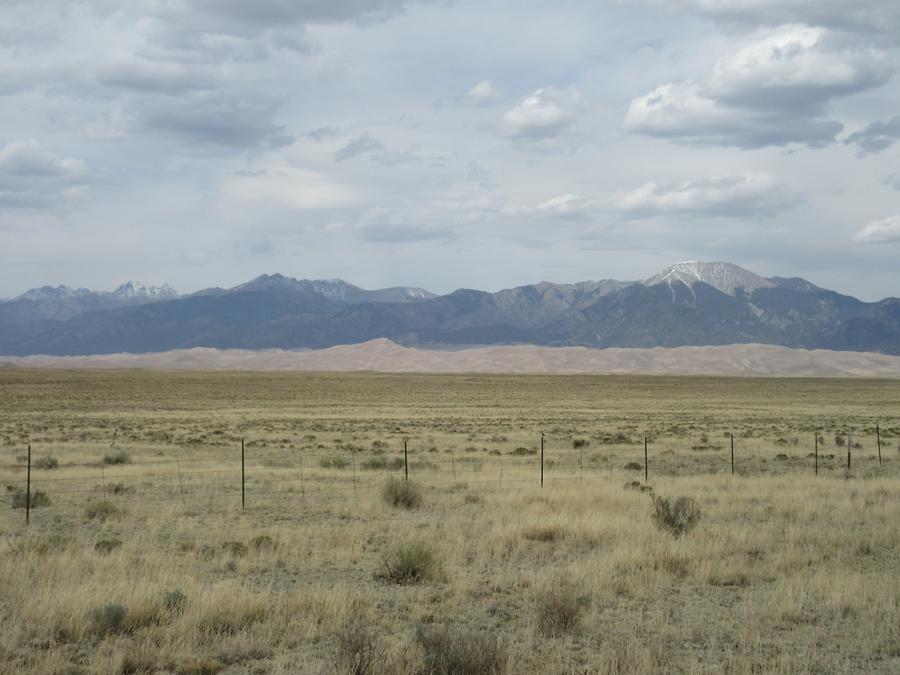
x=723, y=276
x=135, y=289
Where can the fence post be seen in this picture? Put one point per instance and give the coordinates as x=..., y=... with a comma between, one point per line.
x=302, y=490
x=405, y=460
x=243, y=480
x=878, y=441
x=542, y=459
x=646, y=469
x=817, y=454
x=28, y=489
x=849, y=445
x=732, y=452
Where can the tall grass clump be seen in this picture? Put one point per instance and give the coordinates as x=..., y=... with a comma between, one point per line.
x=117, y=457
x=402, y=494
x=678, y=516
x=458, y=651
x=409, y=563
x=559, y=607
x=357, y=651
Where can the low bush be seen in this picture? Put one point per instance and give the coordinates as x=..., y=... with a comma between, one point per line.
x=458, y=651
x=236, y=549
x=46, y=462
x=334, y=462
x=521, y=452
x=394, y=464
x=174, y=601
x=102, y=510
x=559, y=608
x=546, y=533
x=108, y=619
x=409, y=563
x=634, y=466
x=677, y=516
x=357, y=651
x=401, y=493
x=117, y=457
x=38, y=498
x=107, y=546
x=580, y=443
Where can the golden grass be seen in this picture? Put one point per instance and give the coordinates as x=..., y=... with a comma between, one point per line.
x=784, y=572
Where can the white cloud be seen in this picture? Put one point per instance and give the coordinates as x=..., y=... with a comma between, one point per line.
x=284, y=187
x=544, y=114
x=794, y=68
x=741, y=196
x=879, y=232
x=771, y=90
x=483, y=93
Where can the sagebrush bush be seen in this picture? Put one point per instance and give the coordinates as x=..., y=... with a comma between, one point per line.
x=676, y=516
x=559, y=607
x=357, y=651
x=334, y=462
x=547, y=533
x=107, y=546
x=402, y=493
x=458, y=651
x=409, y=563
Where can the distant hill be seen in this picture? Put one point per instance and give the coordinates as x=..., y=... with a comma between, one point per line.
x=687, y=304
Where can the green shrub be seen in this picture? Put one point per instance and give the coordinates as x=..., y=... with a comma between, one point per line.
x=458, y=651
x=108, y=619
x=522, y=452
x=263, y=542
x=676, y=517
x=634, y=466
x=580, y=443
x=409, y=563
x=117, y=457
x=38, y=498
x=402, y=493
x=559, y=608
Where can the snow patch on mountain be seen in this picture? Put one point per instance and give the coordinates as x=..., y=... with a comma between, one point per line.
x=725, y=277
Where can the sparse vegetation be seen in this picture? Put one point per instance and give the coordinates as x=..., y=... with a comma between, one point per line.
x=38, y=499
x=571, y=578
x=117, y=457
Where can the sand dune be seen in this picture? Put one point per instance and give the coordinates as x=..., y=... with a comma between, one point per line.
x=386, y=356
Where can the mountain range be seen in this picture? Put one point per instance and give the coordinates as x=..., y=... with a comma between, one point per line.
x=687, y=304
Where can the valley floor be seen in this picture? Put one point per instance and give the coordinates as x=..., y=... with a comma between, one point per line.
x=142, y=559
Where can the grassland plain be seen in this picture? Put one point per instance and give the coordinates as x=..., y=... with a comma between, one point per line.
x=143, y=561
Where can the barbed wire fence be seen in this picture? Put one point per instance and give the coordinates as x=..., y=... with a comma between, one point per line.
x=350, y=472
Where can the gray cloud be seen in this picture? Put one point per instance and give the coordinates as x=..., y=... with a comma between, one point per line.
x=215, y=120
x=388, y=226
x=873, y=19
x=893, y=181
x=31, y=177
x=154, y=77
x=361, y=145
x=876, y=137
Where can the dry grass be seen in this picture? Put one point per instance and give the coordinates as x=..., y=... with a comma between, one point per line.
x=784, y=572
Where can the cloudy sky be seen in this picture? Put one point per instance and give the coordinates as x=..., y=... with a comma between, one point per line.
x=447, y=143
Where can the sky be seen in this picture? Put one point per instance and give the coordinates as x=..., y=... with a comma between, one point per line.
x=447, y=143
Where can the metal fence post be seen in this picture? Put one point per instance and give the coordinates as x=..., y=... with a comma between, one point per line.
x=28, y=489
